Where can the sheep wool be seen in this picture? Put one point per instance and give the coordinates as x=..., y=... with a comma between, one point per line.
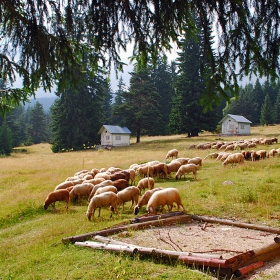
x=146, y=183
x=102, y=200
x=58, y=195
x=129, y=194
x=234, y=158
x=164, y=197
x=186, y=168
x=172, y=153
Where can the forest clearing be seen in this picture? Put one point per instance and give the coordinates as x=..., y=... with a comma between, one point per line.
x=31, y=237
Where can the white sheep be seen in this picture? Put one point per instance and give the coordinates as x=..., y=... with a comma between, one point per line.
x=181, y=160
x=102, y=200
x=164, y=197
x=146, y=183
x=106, y=175
x=100, y=185
x=128, y=194
x=144, y=199
x=234, y=158
x=196, y=161
x=172, y=153
x=58, y=195
x=83, y=189
x=145, y=171
x=261, y=153
x=95, y=181
x=106, y=189
x=64, y=185
x=186, y=168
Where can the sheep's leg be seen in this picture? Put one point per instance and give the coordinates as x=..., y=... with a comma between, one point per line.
x=99, y=211
x=53, y=205
x=132, y=202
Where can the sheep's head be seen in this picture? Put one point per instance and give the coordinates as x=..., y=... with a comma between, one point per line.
x=136, y=210
x=89, y=215
x=45, y=206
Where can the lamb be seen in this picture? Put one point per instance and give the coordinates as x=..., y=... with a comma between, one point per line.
x=186, y=168
x=144, y=199
x=129, y=194
x=173, y=166
x=57, y=195
x=100, y=185
x=146, y=183
x=102, y=200
x=83, y=189
x=106, y=189
x=64, y=185
x=164, y=197
x=196, y=161
x=172, y=153
x=234, y=158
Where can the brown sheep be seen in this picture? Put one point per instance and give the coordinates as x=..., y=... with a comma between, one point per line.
x=261, y=153
x=173, y=166
x=196, y=161
x=120, y=184
x=160, y=169
x=58, y=195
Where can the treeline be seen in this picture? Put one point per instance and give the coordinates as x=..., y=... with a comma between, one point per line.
x=159, y=100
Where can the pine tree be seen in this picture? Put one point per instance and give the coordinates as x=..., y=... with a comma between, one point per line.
x=37, y=128
x=6, y=146
x=163, y=78
x=187, y=114
x=266, y=112
x=140, y=109
x=276, y=109
x=78, y=114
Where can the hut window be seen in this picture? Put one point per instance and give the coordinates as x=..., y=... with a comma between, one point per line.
x=107, y=137
x=242, y=126
x=118, y=137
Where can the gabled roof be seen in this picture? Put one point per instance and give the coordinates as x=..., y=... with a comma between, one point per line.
x=237, y=118
x=114, y=129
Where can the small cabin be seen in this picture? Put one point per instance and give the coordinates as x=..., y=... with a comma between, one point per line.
x=235, y=125
x=113, y=136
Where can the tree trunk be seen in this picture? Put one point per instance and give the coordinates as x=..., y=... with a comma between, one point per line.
x=138, y=136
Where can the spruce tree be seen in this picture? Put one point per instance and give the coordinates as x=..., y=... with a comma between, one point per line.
x=276, y=109
x=140, y=109
x=6, y=140
x=266, y=112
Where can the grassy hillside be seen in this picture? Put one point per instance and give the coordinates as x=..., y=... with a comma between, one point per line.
x=31, y=238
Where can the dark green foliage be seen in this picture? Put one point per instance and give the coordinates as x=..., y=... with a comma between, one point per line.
x=276, y=109
x=78, y=115
x=266, y=112
x=37, y=128
x=187, y=113
x=140, y=108
x=6, y=145
x=42, y=40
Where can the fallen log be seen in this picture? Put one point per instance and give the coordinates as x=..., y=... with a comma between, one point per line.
x=106, y=232
x=110, y=240
x=236, y=224
x=247, y=269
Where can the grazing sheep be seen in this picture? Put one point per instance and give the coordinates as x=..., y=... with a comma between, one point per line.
x=106, y=175
x=272, y=153
x=132, y=175
x=129, y=194
x=95, y=181
x=164, y=197
x=173, y=166
x=212, y=155
x=64, y=185
x=196, y=161
x=106, y=189
x=146, y=183
x=100, y=185
x=172, y=153
x=102, y=200
x=145, y=171
x=117, y=175
x=254, y=155
x=144, y=199
x=229, y=147
x=83, y=189
x=234, y=158
x=186, y=168
x=182, y=160
x=58, y=195
x=160, y=169
x=262, y=154
x=120, y=184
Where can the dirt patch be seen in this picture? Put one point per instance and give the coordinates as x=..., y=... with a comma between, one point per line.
x=222, y=241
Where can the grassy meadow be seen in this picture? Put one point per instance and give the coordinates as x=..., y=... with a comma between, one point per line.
x=31, y=244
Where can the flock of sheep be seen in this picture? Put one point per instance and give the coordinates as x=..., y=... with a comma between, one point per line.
x=114, y=187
